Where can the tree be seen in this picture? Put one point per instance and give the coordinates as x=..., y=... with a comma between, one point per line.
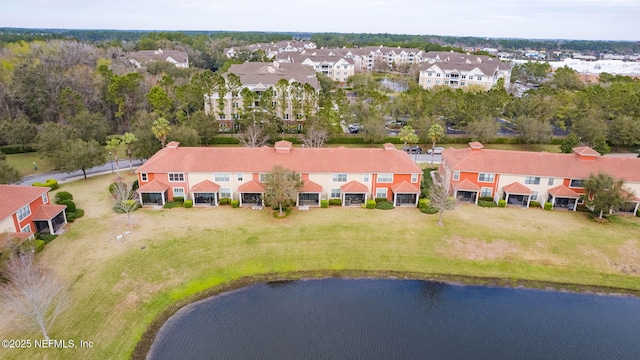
x=281, y=187
x=19, y=131
x=566, y=78
x=624, y=131
x=128, y=139
x=408, y=135
x=113, y=144
x=161, y=129
x=605, y=193
x=124, y=200
x=33, y=294
x=8, y=174
x=185, y=135
x=315, y=137
x=435, y=133
x=569, y=142
x=253, y=136
x=159, y=100
x=147, y=143
x=533, y=131
x=90, y=126
x=78, y=155
x=51, y=136
x=440, y=198
x=483, y=129
x=205, y=125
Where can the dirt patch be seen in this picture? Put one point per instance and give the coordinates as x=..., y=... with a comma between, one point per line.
x=628, y=261
x=475, y=249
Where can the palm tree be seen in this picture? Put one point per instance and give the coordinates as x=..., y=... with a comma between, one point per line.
x=129, y=138
x=161, y=129
x=436, y=132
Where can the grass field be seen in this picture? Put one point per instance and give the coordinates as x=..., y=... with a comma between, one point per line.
x=117, y=287
x=24, y=163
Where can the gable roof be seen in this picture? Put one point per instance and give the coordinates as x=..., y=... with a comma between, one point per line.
x=405, y=188
x=14, y=197
x=251, y=187
x=311, y=187
x=153, y=186
x=466, y=185
x=568, y=166
x=205, y=186
x=354, y=187
x=263, y=159
x=563, y=191
x=268, y=73
x=48, y=212
x=160, y=55
x=517, y=188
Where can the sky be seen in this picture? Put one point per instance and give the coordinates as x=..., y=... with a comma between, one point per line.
x=531, y=19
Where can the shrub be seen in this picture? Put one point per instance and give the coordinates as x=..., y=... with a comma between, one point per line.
x=179, y=199
x=384, y=205
x=47, y=238
x=224, y=140
x=225, y=201
x=371, y=204
x=429, y=210
x=18, y=149
x=135, y=185
x=502, y=203
x=487, y=204
x=80, y=213
x=380, y=200
x=548, y=206
x=485, y=198
x=534, y=204
x=71, y=217
x=63, y=195
x=50, y=183
x=424, y=203
x=38, y=245
x=235, y=203
x=335, y=202
x=172, y=204
x=113, y=187
x=188, y=203
x=324, y=204
x=582, y=208
x=638, y=213
x=71, y=206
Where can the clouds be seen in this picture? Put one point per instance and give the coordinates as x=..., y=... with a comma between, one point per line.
x=571, y=19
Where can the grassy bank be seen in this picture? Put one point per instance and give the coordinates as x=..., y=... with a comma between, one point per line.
x=118, y=287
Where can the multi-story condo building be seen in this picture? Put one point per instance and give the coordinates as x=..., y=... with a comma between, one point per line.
x=178, y=58
x=371, y=58
x=330, y=62
x=519, y=177
x=208, y=174
x=261, y=79
x=272, y=50
x=462, y=71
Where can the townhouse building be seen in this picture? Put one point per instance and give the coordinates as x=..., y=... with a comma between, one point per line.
x=457, y=70
x=519, y=177
x=178, y=58
x=208, y=174
x=258, y=77
x=26, y=210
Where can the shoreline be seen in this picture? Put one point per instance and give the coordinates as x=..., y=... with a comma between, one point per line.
x=143, y=345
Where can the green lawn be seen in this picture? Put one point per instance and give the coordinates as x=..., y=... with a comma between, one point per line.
x=24, y=163
x=118, y=287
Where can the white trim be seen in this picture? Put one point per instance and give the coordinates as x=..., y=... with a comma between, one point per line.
x=456, y=175
x=45, y=198
x=26, y=228
x=382, y=178
x=484, y=187
x=221, y=177
x=337, y=177
x=414, y=178
x=386, y=193
x=183, y=193
x=144, y=177
x=175, y=175
x=24, y=212
x=493, y=177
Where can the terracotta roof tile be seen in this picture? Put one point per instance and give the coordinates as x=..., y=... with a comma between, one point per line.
x=48, y=212
x=585, y=151
x=354, y=187
x=517, y=188
x=153, y=186
x=563, y=191
x=251, y=187
x=405, y=188
x=311, y=187
x=466, y=185
x=205, y=186
x=14, y=197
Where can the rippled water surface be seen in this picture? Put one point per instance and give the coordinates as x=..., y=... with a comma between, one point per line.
x=400, y=319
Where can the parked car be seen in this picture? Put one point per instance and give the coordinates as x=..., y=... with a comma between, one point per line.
x=412, y=149
x=437, y=150
x=354, y=128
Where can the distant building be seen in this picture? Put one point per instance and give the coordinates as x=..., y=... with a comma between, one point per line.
x=178, y=58
x=331, y=62
x=457, y=70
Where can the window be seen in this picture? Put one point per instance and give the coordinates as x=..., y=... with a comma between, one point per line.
x=576, y=183
x=485, y=191
x=144, y=177
x=414, y=178
x=438, y=75
x=235, y=105
x=175, y=177
x=534, y=196
x=381, y=193
x=385, y=178
x=456, y=175
x=428, y=81
x=485, y=177
x=26, y=228
x=221, y=116
x=365, y=178
x=429, y=74
x=447, y=75
x=221, y=177
x=239, y=176
x=45, y=198
x=178, y=191
x=263, y=177
x=286, y=116
x=225, y=193
x=550, y=182
x=463, y=76
x=462, y=83
x=335, y=193
x=24, y=212
x=479, y=77
x=470, y=77
x=532, y=180
x=339, y=178
x=437, y=82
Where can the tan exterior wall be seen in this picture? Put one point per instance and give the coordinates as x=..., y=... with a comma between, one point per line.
x=7, y=225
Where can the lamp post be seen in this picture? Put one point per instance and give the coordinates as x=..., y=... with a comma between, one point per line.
x=111, y=162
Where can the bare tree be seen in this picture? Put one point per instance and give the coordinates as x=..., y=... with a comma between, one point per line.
x=282, y=186
x=315, y=137
x=124, y=201
x=32, y=293
x=440, y=198
x=254, y=136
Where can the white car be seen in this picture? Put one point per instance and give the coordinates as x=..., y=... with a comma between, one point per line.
x=437, y=150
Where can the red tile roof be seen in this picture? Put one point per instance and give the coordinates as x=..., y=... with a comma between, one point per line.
x=585, y=151
x=205, y=186
x=153, y=186
x=303, y=160
x=48, y=212
x=354, y=187
x=563, y=191
x=251, y=187
x=311, y=187
x=15, y=197
x=517, y=188
x=466, y=185
x=405, y=188
x=568, y=166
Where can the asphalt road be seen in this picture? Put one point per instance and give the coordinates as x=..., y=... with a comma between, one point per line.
x=109, y=167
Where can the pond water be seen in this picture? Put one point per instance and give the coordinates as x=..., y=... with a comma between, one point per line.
x=400, y=319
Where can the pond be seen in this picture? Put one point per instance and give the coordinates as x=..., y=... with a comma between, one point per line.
x=400, y=319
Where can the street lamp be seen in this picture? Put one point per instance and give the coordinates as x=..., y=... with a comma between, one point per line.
x=111, y=162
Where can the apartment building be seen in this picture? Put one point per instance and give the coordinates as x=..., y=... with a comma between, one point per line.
x=330, y=62
x=178, y=58
x=462, y=71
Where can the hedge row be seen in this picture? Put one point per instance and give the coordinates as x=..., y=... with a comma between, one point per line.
x=17, y=149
